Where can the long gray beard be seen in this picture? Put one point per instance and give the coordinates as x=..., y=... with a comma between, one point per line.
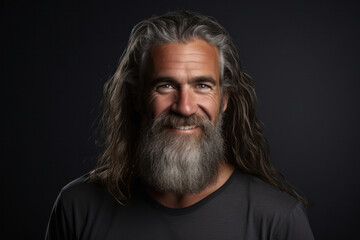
x=179, y=163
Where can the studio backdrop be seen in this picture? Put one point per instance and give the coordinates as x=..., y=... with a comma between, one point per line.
x=303, y=56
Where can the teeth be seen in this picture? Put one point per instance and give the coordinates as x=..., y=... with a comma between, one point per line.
x=186, y=127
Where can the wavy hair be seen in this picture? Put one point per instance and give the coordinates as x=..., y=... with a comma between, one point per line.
x=245, y=145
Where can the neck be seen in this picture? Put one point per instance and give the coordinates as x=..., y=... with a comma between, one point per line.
x=172, y=200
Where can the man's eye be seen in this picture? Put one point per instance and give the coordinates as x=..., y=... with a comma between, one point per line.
x=166, y=86
x=202, y=86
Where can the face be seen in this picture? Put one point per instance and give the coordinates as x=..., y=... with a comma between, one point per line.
x=183, y=79
x=181, y=145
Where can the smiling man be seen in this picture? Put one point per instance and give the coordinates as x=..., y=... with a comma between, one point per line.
x=184, y=156
x=181, y=151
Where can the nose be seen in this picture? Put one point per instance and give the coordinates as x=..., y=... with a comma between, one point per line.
x=185, y=103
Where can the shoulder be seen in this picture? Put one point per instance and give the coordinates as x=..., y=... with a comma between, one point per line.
x=262, y=200
x=77, y=204
x=262, y=194
x=268, y=206
x=81, y=186
x=83, y=193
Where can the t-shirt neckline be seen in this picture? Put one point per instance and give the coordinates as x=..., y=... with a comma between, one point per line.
x=181, y=211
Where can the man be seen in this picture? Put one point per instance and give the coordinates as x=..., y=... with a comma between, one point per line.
x=184, y=156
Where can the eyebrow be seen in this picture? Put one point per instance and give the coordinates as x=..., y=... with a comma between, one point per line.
x=201, y=79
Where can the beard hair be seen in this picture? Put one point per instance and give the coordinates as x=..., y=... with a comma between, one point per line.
x=179, y=163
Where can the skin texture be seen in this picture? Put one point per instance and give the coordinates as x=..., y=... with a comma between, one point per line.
x=184, y=79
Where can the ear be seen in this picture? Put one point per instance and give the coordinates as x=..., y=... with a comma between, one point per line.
x=225, y=100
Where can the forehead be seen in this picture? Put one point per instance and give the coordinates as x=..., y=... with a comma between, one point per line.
x=196, y=57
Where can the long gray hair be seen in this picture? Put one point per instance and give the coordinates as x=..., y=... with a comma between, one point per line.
x=245, y=145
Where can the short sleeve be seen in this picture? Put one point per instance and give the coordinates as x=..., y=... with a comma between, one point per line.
x=59, y=223
x=296, y=226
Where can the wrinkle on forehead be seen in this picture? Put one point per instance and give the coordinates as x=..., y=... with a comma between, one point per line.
x=191, y=55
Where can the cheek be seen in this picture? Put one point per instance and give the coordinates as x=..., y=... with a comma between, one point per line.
x=158, y=105
x=211, y=106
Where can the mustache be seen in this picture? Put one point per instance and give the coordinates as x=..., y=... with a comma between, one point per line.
x=175, y=121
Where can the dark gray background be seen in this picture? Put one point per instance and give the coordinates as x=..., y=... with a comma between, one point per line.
x=56, y=56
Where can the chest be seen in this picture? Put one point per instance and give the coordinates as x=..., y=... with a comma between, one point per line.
x=146, y=222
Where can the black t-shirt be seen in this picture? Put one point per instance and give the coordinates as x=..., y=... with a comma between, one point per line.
x=243, y=208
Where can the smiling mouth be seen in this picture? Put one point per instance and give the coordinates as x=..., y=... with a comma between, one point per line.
x=186, y=127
